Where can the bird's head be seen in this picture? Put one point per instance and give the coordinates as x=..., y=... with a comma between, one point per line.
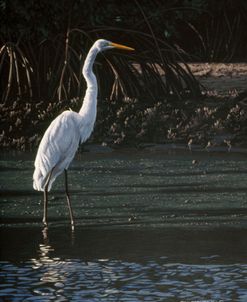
x=102, y=45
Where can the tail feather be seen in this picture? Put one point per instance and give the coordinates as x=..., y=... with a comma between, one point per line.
x=39, y=180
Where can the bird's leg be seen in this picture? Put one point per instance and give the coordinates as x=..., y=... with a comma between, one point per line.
x=46, y=199
x=68, y=200
x=45, y=207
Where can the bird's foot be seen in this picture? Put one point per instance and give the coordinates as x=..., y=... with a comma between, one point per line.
x=45, y=233
x=72, y=226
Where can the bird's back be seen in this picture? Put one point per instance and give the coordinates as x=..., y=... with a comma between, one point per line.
x=57, y=149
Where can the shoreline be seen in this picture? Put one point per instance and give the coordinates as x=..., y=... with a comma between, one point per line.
x=217, y=117
x=92, y=151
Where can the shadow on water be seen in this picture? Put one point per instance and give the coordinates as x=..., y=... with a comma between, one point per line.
x=188, y=246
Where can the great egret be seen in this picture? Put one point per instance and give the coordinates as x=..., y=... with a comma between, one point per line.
x=62, y=138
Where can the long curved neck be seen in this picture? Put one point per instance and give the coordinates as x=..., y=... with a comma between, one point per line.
x=90, y=99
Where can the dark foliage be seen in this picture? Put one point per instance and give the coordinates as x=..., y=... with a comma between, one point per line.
x=146, y=94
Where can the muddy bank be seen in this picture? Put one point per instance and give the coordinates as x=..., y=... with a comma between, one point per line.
x=217, y=118
x=221, y=78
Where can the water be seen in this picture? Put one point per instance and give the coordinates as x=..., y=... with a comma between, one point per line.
x=149, y=227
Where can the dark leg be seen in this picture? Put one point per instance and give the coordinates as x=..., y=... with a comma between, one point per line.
x=46, y=199
x=68, y=200
x=45, y=207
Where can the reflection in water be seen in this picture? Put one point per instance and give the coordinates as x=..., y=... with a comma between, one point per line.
x=113, y=280
x=50, y=281
x=74, y=277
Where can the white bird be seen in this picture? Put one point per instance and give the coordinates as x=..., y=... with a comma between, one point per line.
x=62, y=138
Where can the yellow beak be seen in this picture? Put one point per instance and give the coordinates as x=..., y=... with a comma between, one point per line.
x=120, y=46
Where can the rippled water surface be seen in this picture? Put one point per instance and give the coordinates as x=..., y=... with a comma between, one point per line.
x=149, y=227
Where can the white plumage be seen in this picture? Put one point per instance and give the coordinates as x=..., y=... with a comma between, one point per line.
x=62, y=138
x=58, y=147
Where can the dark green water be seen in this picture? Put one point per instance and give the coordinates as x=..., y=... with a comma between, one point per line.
x=149, y=227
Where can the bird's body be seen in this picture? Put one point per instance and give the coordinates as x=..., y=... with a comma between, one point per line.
x=62, y=138
x=57, y=148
